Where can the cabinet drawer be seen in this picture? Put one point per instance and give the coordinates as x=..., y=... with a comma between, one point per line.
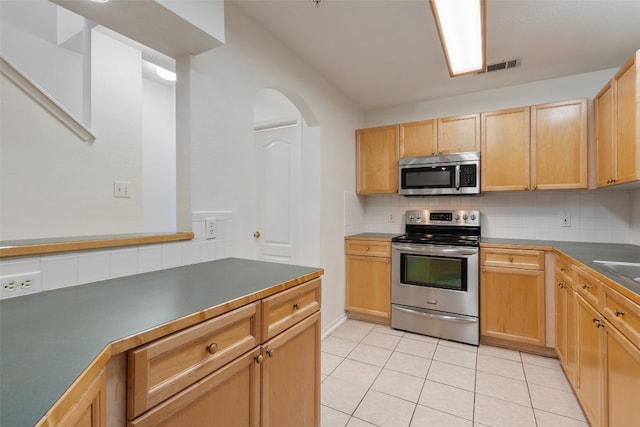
x=623, y=313
x=564, y=270
x=588, y=287
x=368, y=248
x=164, y=367
x=513, y=258
x=287, y=308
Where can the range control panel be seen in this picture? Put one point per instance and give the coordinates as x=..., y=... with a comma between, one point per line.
x=427, y=217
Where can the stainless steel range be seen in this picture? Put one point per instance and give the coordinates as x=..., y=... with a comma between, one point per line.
x=435, y=275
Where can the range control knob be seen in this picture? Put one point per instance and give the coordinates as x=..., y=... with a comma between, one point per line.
x=418, y=218
x=465, y=217
x=457, y=217
x=410, y=217
x=473, y=217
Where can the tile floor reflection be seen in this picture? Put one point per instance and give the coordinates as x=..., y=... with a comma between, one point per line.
x=373, y=375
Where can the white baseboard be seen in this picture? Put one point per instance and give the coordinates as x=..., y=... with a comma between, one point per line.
x=333, y=326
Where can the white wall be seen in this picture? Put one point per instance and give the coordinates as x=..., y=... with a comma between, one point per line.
x=224, y=84
x=158, y=157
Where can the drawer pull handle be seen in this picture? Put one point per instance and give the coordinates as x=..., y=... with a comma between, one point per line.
x=564, y=269
x=618, y=313
x=510, y=259
x=271, y=351
x=258, y=358
x=296, y=305
x=598, y=323
x=585, y=286
x=212, y=348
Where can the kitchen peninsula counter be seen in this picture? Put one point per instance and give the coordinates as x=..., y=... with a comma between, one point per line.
x=583, y=252
x=48, y=339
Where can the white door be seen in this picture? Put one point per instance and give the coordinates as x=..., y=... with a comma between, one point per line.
x=279, y=176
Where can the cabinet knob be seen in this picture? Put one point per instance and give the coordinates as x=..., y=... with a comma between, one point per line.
x=258, y=358
x=585, y=287
x=564, y=269
x=618, y=313
x=271, y=351
x=296, y=305
x=256, y=234
x=535, y=187
x=510, y=259
x=367, y=248
x=526, y=187
x=212, y=348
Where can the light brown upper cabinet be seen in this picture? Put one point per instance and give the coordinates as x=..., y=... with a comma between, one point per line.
x=541, y=147
x=459, y=134
x=504, y=157
x=440, y=136
x=617, y=110
x=377, y=160
x=419, y=138
x=559, y=145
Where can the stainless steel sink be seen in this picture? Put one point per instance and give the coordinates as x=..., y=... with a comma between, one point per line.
x=628, y=270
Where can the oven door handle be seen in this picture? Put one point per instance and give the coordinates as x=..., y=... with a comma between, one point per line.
x=450, y=318
x=457, y=177
x=435, y=250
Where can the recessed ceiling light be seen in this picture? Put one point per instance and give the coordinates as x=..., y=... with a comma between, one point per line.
x=166, y=74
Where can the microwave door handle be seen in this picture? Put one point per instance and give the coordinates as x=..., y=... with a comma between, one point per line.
x=457, y=178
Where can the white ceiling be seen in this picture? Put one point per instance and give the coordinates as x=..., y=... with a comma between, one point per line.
x=387, y=52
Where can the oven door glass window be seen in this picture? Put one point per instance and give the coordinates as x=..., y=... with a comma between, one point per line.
x=434, y=271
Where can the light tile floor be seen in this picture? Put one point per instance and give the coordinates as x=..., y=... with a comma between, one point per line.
x=373, y=375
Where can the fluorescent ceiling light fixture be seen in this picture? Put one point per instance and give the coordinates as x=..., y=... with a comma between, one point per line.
x=166, y=74
x=461, y=26
x=99, y=1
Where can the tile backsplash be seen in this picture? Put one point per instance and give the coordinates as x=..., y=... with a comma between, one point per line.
x=595, y=215
x=75, y=268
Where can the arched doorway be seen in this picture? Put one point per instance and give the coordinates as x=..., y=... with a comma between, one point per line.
x=287, y=181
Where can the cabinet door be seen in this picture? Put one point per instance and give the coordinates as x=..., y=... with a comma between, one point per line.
x=505, y=150
x=512, y=304
x=291, y=377
x=626, y=107
x=559, y=145
x=623, y=378
x=590, y=361
x=418, y=138
x=369, y=287
x=603, y=104
x=377, y=160
x=228, y=397
x=91, y=408
x=561, y=290
x=459, y=134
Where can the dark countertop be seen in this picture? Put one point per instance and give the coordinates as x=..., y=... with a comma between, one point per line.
x=384, y=236
x=584, y=253
x=48, y=339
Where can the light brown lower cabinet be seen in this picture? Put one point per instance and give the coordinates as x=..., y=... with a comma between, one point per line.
x=512, y=302
x=590, y=361
x=597, y=342
x=228, y=397
x=257, y=365
x=622, y=373
x=368, y=265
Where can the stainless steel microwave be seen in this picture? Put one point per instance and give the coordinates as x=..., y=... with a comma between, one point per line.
x=446, y=174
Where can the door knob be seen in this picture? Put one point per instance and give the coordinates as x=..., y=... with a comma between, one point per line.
x=256, y=234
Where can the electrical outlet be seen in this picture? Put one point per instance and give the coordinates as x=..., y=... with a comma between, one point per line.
x=565, y=221
x=122, y=189
x=20, y=284
x=210, y=228
x=390, y=218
